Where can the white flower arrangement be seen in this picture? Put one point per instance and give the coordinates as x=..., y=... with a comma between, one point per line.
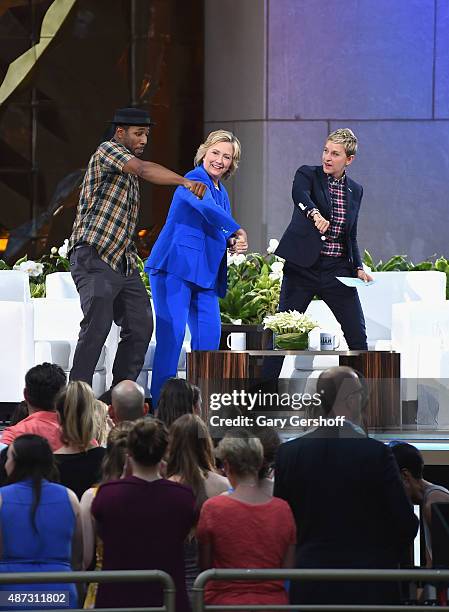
x=289, y=322
x=32, y=268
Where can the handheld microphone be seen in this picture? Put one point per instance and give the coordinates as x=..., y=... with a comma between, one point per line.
x=303, y=208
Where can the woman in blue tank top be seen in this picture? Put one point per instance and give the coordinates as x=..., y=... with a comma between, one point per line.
x=40, y=527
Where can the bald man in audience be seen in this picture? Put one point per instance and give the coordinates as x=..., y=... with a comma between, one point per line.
x=127, y=402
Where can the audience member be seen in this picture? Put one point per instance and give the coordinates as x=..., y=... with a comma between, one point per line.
x=270, y=440
x=191, y=462
x=191, y=458
x=79, y=459
x=246, y=529
x=40, y=520
x=42, y=383
x=349, y=503
x=420, y=491
x=127, y=402
x=143, y=521
x=176, y=399
x=102, y=423
x=112, y=469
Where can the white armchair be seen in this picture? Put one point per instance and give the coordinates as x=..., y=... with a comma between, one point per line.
x=420, y=332
x=411, y=292
x=377, y=300
x=16, y=332
x=56, y=327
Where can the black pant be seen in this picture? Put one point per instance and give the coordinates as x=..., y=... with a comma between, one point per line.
x=300, y=285
x=108, y=296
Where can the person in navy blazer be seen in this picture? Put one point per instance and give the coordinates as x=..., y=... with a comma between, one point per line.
x=320, y=242
x=345, y=491
x=187, y=265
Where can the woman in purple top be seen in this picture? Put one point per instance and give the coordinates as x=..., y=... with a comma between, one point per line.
x=143, y=521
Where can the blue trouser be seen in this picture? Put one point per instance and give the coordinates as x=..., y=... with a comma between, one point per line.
x=176, y=304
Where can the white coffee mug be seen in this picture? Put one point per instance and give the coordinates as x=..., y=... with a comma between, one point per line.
x=329, y=341
x=236, y=341
x=314, y=339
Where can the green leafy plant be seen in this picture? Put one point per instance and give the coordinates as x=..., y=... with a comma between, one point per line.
x=143, y=275
x=402, y=263
x=254, y=283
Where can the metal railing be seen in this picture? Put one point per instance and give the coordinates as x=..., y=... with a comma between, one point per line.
x=424, y=575
x=100, y=578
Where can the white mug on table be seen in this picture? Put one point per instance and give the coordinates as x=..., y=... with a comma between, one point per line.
x=323, y=340
x=236, y=341
x=329, y=341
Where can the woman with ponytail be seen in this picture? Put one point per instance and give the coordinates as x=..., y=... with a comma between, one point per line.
x=40, y=526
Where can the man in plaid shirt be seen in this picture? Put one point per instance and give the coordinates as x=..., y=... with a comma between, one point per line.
x=102, y=253
x=321, y=241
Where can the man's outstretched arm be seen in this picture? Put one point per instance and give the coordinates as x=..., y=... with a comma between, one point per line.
x=159, y=175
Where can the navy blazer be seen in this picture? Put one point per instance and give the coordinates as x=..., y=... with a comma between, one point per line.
x=192, y=244
x=350, y=509
x=301, y=243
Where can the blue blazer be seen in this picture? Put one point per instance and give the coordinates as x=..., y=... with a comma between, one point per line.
x=192, y=243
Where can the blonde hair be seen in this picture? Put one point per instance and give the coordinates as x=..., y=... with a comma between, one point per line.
x=101, y=423
x=242, y=451
x=214, y=138
x=76, y=407
x=345, y=137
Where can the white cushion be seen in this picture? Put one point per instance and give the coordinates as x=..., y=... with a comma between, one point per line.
x=60, y=285
x=57, y=324
x=14, y=286
x=308, y=363
x=17, y=348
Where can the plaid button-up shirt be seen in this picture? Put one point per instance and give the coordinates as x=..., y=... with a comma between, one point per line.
x=107, y=212
x=334, y=245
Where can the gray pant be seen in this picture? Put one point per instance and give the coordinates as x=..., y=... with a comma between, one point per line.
x=108, y=296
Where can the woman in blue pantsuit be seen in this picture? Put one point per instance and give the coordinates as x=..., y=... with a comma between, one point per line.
x=187, y=265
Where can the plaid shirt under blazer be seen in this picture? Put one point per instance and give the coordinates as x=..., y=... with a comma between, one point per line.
x=301, y=243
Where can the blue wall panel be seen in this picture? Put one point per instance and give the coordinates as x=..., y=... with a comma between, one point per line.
x=359, y=59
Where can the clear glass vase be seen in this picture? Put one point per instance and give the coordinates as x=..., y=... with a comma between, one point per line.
x=293, y=341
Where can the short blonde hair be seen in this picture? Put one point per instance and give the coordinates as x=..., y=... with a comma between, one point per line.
x=242, y=451
x=214, y=138
x=76, y=407
x=345, y=137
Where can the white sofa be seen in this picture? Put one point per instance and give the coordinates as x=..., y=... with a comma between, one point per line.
x=16, y=333
x=62, y=296
x=57, y=320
